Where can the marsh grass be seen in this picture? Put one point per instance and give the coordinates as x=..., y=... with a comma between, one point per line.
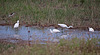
x=73, y=46
x=4, y=46
x=77, y=13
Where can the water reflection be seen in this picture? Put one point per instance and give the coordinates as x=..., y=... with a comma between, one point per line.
x=36, y=33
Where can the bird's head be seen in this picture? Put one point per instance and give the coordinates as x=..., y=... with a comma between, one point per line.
x=51, y=31
x=17, y=21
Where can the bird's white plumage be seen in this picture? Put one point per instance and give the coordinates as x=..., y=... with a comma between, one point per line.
x=91, y=29
x=70, y=26
x=16, y=24
x=54, y=30
x=65, y=26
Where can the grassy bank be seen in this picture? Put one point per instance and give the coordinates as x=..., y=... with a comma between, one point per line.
x=74, y=46
x=77, y=13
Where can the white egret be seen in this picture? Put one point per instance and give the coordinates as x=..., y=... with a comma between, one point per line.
x=91, y=29
x=65, y=26
x=16, y=24
x=54, y=30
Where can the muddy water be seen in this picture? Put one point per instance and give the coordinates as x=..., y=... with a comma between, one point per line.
x=36, y=33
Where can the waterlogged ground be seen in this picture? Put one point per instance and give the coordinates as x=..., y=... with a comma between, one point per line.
x=34, y=40
x=35, y=33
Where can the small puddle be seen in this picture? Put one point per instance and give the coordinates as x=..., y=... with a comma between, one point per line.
x=35, y=33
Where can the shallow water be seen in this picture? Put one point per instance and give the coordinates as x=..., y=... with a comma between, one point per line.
x=37, y=33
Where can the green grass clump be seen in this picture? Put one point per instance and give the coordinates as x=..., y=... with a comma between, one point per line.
x=5, y=46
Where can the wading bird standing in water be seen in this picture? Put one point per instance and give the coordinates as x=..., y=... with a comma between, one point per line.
x=16, y=24
x=54, y=30
x=65, y=26
x=91, y=29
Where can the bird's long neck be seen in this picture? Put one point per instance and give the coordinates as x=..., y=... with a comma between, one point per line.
x=17, y=22
x=70, y=27
x=51, y=31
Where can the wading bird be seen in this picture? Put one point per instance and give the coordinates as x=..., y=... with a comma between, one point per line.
x=91, y=29
x=65, y=26
x=16, y=24
x=54, y=30
x=12, y=14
